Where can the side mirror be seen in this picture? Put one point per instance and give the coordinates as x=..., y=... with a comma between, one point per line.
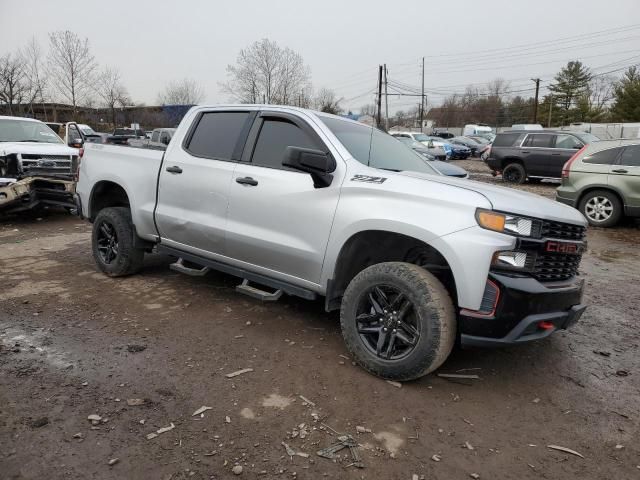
x=76, y=143
x=430, y=144
x=317, y=163
x=165, y=140
x=577, y=146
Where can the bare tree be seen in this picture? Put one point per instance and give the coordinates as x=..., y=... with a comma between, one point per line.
x=71, y=67
x=368, y=109
x=184, y=92
x=326, y=101
x=35, y=77
x=13, y=87
x=265, y=72
x=111, y=91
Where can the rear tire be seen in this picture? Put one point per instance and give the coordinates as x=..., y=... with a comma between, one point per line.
x=514, y=173
x=415, y=334
x=601, y=208
x=112, y=242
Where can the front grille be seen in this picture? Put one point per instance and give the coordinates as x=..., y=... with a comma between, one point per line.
x=42, y=164
x=562, y=231
x=551, y=267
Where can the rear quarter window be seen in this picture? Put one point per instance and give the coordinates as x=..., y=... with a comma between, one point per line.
x=603, y=157
x=508, y=139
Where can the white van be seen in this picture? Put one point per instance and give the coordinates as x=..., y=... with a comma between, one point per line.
x=473, y=129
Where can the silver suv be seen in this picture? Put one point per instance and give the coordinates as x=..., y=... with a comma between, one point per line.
x=603, y=181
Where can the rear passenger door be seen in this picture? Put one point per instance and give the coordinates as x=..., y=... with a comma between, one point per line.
x=537, y=154
x=193, y=188
x=625, y=177
x=278, y=222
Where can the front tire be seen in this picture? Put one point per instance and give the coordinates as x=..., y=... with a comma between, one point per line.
x=112, y=242
x=398, y=321
x=514, y=173
x=601, y=208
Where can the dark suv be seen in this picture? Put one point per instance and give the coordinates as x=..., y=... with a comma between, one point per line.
x=520, y=154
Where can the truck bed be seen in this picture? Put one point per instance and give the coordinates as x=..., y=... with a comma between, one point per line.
x=135, y=169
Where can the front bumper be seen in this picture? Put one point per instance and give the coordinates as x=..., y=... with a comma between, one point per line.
x=527, y=310
x=31, y=192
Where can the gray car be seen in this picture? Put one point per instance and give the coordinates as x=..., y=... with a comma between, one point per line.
x=603, y=181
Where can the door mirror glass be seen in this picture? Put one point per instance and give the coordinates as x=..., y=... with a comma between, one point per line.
x=315, y=162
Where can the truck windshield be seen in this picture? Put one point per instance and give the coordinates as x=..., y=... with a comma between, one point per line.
x=374, y=148
x=12, y=130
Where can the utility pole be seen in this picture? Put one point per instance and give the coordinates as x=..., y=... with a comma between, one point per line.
x=422, y=98
x=386, y=101
x=379, y=116
x=535, y=105
x=550, y=106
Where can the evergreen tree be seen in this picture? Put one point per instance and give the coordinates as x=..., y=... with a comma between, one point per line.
x=626, y=106
x=571, y=84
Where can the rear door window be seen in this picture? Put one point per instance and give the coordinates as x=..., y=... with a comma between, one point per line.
x=508, y=139
x=630, y=156
x=603, y=157
x=275, y=136
x=216, y=135
x=568, y=142
x=538, y=141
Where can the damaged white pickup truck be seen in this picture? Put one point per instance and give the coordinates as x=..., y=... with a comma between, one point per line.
x=36, y=167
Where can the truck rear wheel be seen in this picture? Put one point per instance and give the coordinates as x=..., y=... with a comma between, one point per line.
x=398, y=321
x=112, y=242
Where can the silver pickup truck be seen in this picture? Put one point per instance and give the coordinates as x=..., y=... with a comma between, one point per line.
x=309, y=204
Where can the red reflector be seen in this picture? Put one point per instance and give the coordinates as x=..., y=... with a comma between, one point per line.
x=544, y=325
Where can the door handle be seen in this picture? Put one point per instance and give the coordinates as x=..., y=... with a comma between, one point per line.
x=524, y=152
x=247, y=181
x=555, y=154
x=174, y=169
x=620, y=170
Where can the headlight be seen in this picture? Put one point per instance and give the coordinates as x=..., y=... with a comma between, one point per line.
x=506, y=223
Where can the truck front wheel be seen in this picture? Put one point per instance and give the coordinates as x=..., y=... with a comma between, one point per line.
x=398, y=320
x=112, y=242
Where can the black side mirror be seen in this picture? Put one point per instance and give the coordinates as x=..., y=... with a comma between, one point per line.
x=165, y=140
x=317, y=163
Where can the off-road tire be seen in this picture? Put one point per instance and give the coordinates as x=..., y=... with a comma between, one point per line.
x=432, y=307
x=514, y=173
x=128, y=259
x=613, y=200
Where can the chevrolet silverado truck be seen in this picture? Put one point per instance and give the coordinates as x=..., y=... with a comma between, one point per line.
x=309, y=204
x=36, y=167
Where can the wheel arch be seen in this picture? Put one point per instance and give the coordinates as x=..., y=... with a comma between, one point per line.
x=607, y=188
x=369, y=247
x=107, y=193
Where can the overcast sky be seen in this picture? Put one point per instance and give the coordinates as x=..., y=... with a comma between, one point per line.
x=343, y=42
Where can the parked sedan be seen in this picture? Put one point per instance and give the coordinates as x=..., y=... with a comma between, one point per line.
x=602, y=180
x=441, y=167
x=476, y=146
x=454, y=150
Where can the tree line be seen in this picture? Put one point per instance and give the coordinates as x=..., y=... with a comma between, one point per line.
x=576, y=94
x=67, y=72
x=264, y=72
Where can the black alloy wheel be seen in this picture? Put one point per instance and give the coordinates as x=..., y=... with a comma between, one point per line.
x=387, y=323
x=107, y=239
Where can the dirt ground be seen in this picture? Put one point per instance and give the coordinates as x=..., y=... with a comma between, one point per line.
x=147, y=351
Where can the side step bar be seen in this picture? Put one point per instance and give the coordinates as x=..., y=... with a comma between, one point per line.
x=180, y=267
x=254, y=292
x=246, y=275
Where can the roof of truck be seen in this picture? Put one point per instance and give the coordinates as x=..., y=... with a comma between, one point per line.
x=6, y=117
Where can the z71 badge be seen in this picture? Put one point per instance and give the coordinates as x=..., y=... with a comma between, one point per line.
x=368, y=179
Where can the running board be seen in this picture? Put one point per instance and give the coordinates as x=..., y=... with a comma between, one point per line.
x=254, y=292
x=180, y=267
x=242, y=273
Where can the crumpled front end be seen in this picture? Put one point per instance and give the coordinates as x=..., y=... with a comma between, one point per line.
x=32, y=192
